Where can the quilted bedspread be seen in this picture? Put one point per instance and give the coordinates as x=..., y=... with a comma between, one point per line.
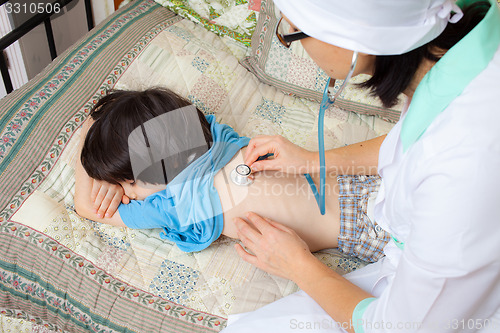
x=61, y=272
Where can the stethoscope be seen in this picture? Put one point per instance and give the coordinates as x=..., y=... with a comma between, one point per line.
x=325, y=104
x=241, y=174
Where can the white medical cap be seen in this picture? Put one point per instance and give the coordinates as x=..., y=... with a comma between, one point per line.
x=378, y=27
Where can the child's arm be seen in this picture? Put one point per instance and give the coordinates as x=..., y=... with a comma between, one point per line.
x=93, y=199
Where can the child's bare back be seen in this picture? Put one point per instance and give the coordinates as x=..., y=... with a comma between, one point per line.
x=280, y=197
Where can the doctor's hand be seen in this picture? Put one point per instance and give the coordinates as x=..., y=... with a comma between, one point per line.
x=107, y=197
x=274, y=248
x=288, y=157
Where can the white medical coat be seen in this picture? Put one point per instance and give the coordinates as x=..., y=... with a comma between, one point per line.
x=440, y=199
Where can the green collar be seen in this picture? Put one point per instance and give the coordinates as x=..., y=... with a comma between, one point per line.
x=451, y=74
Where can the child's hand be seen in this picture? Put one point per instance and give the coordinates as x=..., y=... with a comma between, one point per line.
x=106, y=198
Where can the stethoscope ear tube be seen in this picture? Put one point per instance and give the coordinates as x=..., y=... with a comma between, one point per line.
x=325, y=104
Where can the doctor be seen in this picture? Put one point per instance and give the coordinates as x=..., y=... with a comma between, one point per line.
x=439, y=166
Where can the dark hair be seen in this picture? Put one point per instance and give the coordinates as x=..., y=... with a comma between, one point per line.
x=394, y=73
x=105, y=154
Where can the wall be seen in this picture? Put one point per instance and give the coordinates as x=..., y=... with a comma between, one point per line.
x=31, y=55
x=13, y=53
x=102, y=9
x=68, y=27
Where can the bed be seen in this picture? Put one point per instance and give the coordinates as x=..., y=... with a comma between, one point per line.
x=61, y=272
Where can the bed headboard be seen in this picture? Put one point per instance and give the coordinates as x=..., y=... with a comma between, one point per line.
x=44, y=12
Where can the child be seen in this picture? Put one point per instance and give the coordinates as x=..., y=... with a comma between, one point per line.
x=199, y=203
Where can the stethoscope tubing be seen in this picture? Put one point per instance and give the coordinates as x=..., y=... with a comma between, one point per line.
x=325, y=104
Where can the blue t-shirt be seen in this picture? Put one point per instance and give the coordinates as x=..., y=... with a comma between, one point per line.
x=189, y=209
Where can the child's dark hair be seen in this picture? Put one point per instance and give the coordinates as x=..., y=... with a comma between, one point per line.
x=105, y=154
x=394, y=73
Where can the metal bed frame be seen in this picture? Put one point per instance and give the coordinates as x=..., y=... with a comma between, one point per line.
x=29, y=25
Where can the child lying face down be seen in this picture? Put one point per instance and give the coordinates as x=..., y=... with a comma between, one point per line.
x=190, y=196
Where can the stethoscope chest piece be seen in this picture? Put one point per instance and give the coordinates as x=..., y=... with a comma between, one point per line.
x=241, y=175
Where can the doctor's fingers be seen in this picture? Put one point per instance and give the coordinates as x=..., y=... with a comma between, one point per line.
x=266, y=164
x=264, y=235
x=255, y=142
x=263, y=224
x=250, y=258
x=261, y=261
x=255, y=251
x=263, y=146
x=247, y=233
